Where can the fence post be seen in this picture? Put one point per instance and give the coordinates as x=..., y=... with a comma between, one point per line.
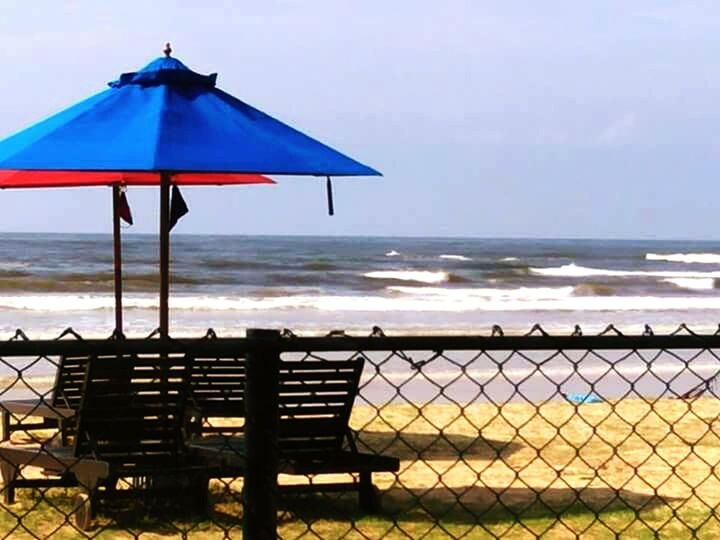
x=261, y=432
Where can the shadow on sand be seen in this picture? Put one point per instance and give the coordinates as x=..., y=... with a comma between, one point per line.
x=434, y=446
x=473, y=505
x=460, y=508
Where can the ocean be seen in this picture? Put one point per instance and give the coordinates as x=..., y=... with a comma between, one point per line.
x=312, y=285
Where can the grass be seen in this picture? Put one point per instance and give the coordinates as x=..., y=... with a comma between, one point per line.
x=637, y=469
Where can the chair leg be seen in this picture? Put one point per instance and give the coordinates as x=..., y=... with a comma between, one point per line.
x=367, y=495
x=8, y=471
x=83, y=508
x=63, y=428
x=85, y=501
x=5, y=436
x=199, y=489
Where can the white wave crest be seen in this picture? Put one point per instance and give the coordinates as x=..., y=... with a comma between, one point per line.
x=573, y=270
x=509, y=259
x=421, y=276
x=392, y=253
x=13, y=265
x=702, y=258
x=65, y=302
x=398, y=299
x=455, y=257
x=692, y=283
x=521, y=293
x=542, y=299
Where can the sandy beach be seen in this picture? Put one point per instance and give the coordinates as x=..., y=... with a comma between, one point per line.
x=481, y=464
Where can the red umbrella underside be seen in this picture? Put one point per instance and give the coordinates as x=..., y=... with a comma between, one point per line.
x=56, y=179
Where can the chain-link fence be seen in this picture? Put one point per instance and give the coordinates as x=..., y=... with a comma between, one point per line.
x=364, y=437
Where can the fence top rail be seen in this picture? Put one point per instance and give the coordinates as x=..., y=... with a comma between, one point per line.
x=500, y=343
x=195, y=346
x=226, y=347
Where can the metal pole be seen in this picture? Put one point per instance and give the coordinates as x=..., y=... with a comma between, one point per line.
x=261, y=435
x=117, y=258
x=164, y=252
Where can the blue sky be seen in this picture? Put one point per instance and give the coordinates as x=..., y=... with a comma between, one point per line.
x=488, y=118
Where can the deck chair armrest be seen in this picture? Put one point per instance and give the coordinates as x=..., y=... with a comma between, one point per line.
x=60, y=460
x=350, y=436
x=36, y=407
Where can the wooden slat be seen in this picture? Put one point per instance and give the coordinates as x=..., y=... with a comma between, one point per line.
x=298, y=400
x=336, y=365
x=316, y=386
x=219, y=370
x=334, y=409
x=216, y=386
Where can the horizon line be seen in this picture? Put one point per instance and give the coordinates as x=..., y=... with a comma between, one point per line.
x=389, y=236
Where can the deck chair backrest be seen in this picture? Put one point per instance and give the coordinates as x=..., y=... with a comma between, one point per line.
x=69, y=381
x=132, y=410
x=218, y=386
x=315, y=400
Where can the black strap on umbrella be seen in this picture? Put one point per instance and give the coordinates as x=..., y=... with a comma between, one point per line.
x=331, y=206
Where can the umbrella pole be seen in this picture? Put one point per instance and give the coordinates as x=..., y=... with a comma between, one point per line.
x=164, y=251
x=117, y=259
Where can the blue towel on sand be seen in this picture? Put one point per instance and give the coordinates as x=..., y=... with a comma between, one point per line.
x=584, y=398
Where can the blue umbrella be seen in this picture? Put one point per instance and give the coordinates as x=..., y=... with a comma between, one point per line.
x=168, y=119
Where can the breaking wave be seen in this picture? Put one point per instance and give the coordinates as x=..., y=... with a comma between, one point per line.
x=701, y=258
x=696, y=284
x=395, y=299
x=573, y=270
x=420, y=276
x=455, y=257
x=548, y=299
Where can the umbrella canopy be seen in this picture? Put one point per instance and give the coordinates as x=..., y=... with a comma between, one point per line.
x=169, y=120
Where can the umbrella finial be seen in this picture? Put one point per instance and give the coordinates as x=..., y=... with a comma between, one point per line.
x=167, y=50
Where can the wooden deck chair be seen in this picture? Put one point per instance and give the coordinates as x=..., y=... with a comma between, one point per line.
x=130, y=424
x=315, y=402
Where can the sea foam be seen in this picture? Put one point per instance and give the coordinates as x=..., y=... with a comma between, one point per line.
x=398, y=299
x=545, y=299
x=702, y=258
x=573, y=270
x=421, y=276
x=455, y=257
x=698, y=284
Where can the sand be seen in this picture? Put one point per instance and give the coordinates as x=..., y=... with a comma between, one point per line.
x=647, y=453
x=480, y=460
